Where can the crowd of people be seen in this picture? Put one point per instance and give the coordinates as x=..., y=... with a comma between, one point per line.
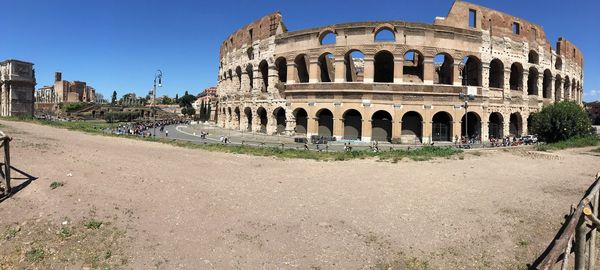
x=145, y=128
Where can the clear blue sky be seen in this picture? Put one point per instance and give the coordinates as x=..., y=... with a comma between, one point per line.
x=118, y=44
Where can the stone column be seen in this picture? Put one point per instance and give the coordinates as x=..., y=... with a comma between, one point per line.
x=340, y=70
x=525, y=84
x=313, y=72
x=457, y=75
x=506, y=125
x=245, y=83
x=396, y=129
x=273, y=80
x=338, y=127
x=398, y=70
x=540, y=86
x=366, y=130
x=290, y=123
x=271, y=123
x=552, y=90
x=485, y=75
x=369, y=68
x=312, y=126
x=257, y=82
x=292, y=72
x=457, y=126
x=428, y=70
x=256, y=121
x=485, y=128
x=427, y=127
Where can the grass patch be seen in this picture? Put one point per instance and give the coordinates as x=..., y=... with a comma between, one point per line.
x=11, y=233
x=597, y=150
x=55, y=185
x=417, y=154
x=65, y=232
x=92, y=224
x=34, y=254
x=570, y=143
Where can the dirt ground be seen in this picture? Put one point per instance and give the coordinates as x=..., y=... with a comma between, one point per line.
x=128, y=204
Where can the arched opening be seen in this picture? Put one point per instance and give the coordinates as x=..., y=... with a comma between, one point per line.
x=238, y=74
x=557, y=88
x=441, y=127
x=354, y=61
x=326, y=67
x=532, y=81
x=250, y=72
x=515, y=125
x=262, y=115
x=444, y=69
x=413, y=67
x=558, y=65
x=496, y=74
x=352, y=125
x=381, y=126
x=327, y=38
x=325, y=119
x=230, y=75
x=281, y=65
x=280, y=120
x=412, y=127
x=533, y=57
x=496, y=126
x=516, y=76
x=237, y=116
x=471, y=126
x=567, y=89
x=250, y=53
x=264, y=73
x=248, y=113
x=385, y=35
x=384, y=67
x=301, y=68
x=301, y=120
x=547, y=84
x=573, y=90
x=471, y=73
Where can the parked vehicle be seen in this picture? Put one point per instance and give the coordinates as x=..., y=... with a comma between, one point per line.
x=530, y=139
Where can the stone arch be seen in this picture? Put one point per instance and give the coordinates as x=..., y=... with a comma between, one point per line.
x=281, y=66
x=302, y=68
x=441, y=127
x=444, y=68
x=496, y=76
x=412, y=127
x=413, y=66
x=384, y=33
x=557, y=88
x=230, y=74
x=325, y=121
x=516, y=76
x=567, y=88
x=515, y=127
x=496, y=125
x=547, y=84
x=573, y=90
x=250, y=53
x=263, y=119
x=532, y=81
x=280, y=120
x=250, y=72
x=558, y=64
x=263, y=66
x=354, y=62
x=381, y=126
x=384, y=67
x=248, y=114
x=301, y=117
x=352, y=125
x=471, y=125
x=471, y=73
x=327, y=37
x=533, y=57
x=238, y=74
x=326, y=67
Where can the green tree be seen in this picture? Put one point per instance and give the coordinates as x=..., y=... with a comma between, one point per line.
x=113, y=100
x=208, y=112
x=560, y=121
x=202, y=110
x=176, y=98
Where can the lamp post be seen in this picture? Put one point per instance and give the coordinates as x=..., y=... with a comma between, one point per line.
x=466, y=98
x=157, y=75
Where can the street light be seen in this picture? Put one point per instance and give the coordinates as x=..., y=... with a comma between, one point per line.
x=157, y=75
x=466, y=98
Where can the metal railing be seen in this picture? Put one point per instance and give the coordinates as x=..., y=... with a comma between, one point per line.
x=577, y=236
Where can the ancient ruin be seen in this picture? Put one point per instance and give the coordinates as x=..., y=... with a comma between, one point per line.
x=393, y=80
x=17, y=81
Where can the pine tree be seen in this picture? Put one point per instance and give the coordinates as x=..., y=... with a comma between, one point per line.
x=202, y=110
x=113, y=100
x=208, y=112
x=176, y=98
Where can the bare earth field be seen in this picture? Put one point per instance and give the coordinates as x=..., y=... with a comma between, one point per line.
x=129, y=204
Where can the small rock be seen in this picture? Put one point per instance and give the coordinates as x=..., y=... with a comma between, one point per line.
x=65, y=222
x=69, y=174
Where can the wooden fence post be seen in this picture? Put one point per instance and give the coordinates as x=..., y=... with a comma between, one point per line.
x=592, y=244
x=580, y=233
x=7, y=163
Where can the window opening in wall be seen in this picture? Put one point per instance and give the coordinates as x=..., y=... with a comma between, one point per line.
x=251, y=32
x=516, y=28
x=385, y=35
x=534, y=33
x=328, y=38
x=472, y=18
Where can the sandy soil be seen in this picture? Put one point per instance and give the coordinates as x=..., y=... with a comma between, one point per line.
x=190, y=209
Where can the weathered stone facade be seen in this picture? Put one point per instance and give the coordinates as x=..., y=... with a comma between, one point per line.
x=17, y=81
x=65, y=91
x=409, y=87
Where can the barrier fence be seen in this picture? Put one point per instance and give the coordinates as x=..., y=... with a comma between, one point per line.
x=5, y=188
x=577, y=238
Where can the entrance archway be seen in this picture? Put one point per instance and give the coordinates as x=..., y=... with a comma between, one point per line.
x=262, y=115
x=325, y=123
x=441, y=127
x=495, y=125
x=381, y=126
x=280, y=120
x=248, y=113
x=352, y=125
x=515, y=125
x=412, y=126
x=471, y=125
x=301, y=120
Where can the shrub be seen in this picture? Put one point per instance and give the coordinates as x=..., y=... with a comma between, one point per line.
x=69, y=107
x=92, y=224
x=112, y=117
x=560, y=121
x=55, y=185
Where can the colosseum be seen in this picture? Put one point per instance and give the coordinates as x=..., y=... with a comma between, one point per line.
x=477, y=72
